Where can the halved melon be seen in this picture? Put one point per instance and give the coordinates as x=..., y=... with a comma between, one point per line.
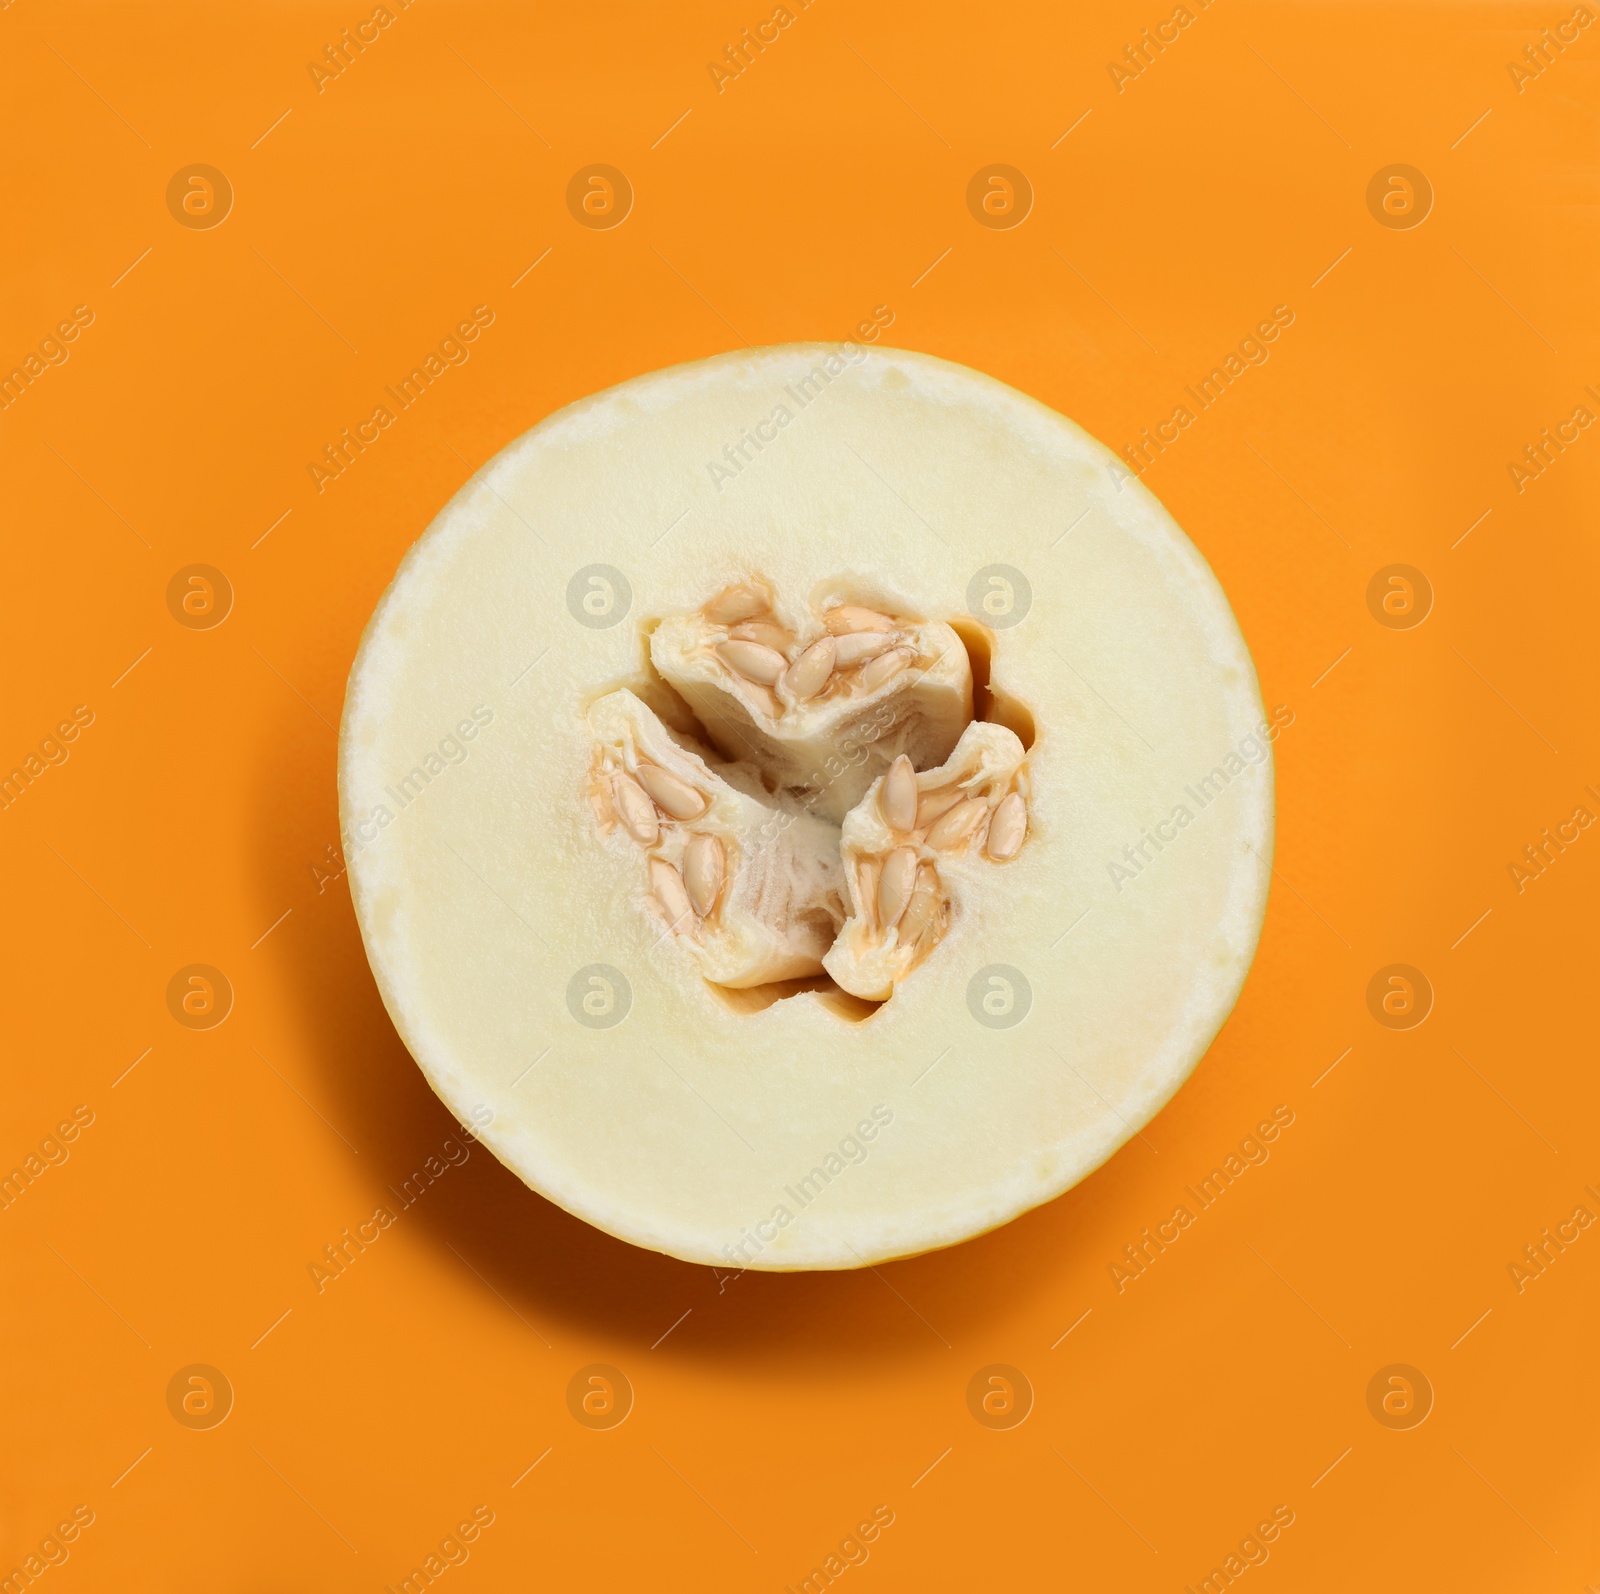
x=806, y=807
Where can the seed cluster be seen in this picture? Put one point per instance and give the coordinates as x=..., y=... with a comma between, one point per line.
x=775, y=669
x=641, y=800
x=900, y=889
x=974, y=803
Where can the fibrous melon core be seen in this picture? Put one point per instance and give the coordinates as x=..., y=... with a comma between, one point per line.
x=818, y=716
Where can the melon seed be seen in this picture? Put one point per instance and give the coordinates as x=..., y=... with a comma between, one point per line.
x=885, y=667
x=666, y=886
x=850, y=617
x=856, y=647
x=898, y=798
x=764, y=698
x=674, y=796
x=922, y=912
x=809, y=673
x=703, y=869
x=895, y=885
x=768, y=634
x=741, y=602
x=637, y=812
x=1007, y=828
x=754, y=662
x=956, y=825
x=934, y=804
x=867, y=872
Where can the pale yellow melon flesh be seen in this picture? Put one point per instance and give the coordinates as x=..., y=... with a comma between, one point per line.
x=811, y=1131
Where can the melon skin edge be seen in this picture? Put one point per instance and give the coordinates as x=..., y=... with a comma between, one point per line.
x=858, y=1219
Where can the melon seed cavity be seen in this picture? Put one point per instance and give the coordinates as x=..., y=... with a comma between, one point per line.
x=758, y=851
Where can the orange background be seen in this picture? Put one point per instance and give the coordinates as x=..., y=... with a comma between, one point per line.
x=829, y=178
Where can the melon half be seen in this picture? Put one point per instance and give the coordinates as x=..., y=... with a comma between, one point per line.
x=806, y=807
